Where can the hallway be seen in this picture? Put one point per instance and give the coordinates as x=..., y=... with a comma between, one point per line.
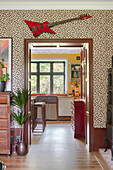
x=56, y=149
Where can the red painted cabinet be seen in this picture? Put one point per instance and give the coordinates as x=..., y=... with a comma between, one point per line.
x=79, y=119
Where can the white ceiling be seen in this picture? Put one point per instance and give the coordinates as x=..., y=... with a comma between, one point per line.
x=57, y=1
x=56, y=51
x=57, y=4
x=55, y=48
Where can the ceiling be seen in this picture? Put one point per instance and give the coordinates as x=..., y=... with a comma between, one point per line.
x=53, y=1
x=56, y=48
x=57, y=4
x=57, y=1
x=56, y=51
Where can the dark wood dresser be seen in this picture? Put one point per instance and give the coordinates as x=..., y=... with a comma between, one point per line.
x=5, y=123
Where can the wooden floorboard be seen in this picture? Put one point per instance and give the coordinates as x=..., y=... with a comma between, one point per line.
x=55, y=149
x=101, y=161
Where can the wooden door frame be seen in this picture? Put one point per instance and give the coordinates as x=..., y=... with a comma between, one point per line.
x=68, y=41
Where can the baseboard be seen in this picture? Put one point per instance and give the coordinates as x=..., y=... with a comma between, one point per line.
x=99, y=138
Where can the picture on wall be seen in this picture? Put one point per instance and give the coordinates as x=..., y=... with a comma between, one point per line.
x=4, y=70
x=6, y=54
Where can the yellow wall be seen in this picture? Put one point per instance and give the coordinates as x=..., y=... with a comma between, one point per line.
x=70, y=57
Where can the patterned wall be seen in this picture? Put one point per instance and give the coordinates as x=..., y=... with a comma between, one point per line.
x=99, y=27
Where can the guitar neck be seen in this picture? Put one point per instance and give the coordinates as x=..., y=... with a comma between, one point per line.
x=62, y=22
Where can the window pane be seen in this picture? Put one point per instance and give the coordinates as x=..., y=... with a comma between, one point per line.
x=44, y=84
x=33, y=67
x=58, y=67
x=33, y=84
x=44, y=67
x=58, y=84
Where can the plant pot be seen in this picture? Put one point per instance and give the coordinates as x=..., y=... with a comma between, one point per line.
x=2, y=86
x=22, y=148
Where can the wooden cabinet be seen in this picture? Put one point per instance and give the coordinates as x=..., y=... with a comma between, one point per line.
x=79, y=119
x=109, y=123
x=5, y=123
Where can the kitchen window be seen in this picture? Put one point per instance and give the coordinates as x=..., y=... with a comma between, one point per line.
x=48, y=77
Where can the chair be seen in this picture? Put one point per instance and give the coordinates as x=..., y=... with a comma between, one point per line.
x=35, y=117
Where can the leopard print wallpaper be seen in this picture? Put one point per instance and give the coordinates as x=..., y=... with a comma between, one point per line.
x=99, y=27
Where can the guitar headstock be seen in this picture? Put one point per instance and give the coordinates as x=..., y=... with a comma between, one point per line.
x=85, y=16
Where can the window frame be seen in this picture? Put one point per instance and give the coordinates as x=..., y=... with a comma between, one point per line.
x=51, y=74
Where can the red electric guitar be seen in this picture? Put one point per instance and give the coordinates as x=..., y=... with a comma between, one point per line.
x=37, y=28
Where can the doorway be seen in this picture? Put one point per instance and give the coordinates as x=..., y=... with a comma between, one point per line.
x=68, y=43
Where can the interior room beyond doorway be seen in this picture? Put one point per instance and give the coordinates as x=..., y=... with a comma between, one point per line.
x=56, y=75
x=84, y=80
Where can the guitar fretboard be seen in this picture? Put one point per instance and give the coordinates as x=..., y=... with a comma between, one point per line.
x=62, y=22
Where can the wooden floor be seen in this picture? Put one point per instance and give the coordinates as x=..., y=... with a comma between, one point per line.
x=56, y=149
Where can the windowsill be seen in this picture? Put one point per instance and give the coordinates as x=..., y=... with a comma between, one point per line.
x=37, y=94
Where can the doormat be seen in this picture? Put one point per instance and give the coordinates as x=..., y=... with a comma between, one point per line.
x=107, y=157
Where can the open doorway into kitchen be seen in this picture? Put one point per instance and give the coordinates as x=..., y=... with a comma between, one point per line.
x=57, y=48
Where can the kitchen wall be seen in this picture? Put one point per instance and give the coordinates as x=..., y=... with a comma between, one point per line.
x=71, y=59
x=99, y=27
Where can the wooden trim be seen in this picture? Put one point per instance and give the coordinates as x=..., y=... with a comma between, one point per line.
x=68, y=41
x=26, y=85
x=91, y=132
x=86, y=125
x=99, y=139
x=39, y=94
x=57, y=108
x=64, y=118
x=29, y=101
x=81, y=75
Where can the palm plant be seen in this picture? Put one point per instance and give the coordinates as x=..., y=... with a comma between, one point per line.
x=19, y=99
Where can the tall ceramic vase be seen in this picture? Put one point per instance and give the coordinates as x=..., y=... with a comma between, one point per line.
x=22, y=148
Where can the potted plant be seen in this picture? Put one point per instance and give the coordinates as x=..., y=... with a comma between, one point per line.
x=19, y=99
x=3, y=77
